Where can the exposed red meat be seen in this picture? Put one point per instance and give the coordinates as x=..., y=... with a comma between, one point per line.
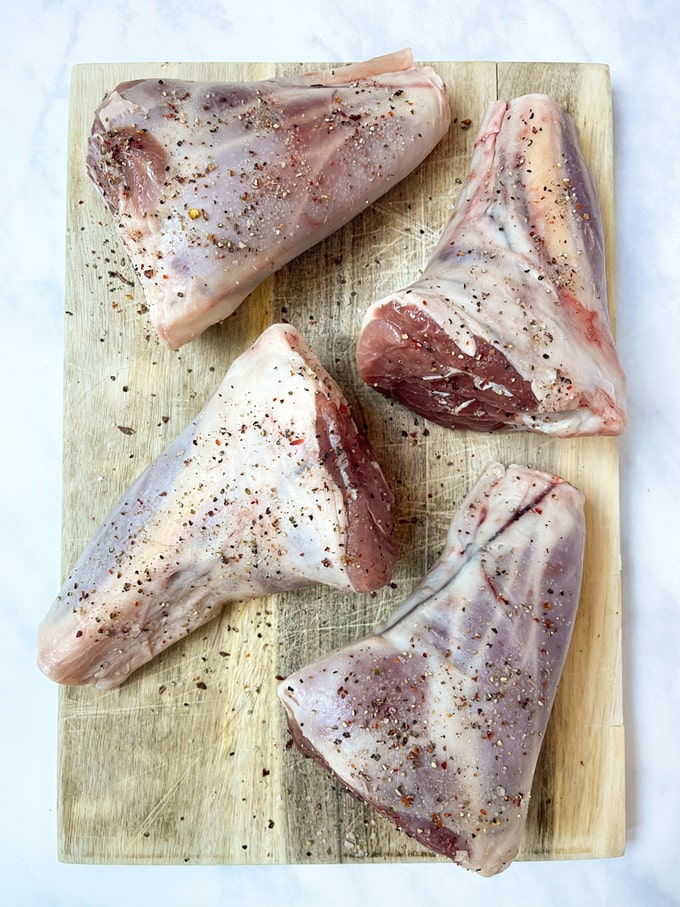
x=508, y=326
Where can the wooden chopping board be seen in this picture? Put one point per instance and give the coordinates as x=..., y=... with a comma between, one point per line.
x=190, y=762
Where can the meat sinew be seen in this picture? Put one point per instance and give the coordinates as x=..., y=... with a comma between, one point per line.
x=508, y=326
x=270, y=488
x=437, y=719
x=214, y=186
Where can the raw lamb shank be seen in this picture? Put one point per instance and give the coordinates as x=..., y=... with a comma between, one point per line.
x=214, y=186
x=271, y=488
x=508, y=326
x=437, y=719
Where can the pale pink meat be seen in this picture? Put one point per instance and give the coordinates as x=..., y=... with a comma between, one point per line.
x=272, y=487
x=214, y=186
x=508, y=326
x=438, y=717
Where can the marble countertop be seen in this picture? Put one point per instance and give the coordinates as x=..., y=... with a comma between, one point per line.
x=639, y=41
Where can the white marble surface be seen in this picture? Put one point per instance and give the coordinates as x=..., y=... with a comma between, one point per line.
x=640, y=40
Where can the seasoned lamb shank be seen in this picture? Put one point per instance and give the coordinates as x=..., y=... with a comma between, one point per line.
x=271, y=488
x=214, y=186
x=437, y=718
x=508, y=326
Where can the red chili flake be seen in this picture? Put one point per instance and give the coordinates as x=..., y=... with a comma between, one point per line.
x=125, y=429
x=201, y=685
x=297, y=441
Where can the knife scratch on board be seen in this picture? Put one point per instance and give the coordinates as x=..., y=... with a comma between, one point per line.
x=156, y=810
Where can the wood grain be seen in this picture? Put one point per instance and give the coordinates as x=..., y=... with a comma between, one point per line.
x=162, y=771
